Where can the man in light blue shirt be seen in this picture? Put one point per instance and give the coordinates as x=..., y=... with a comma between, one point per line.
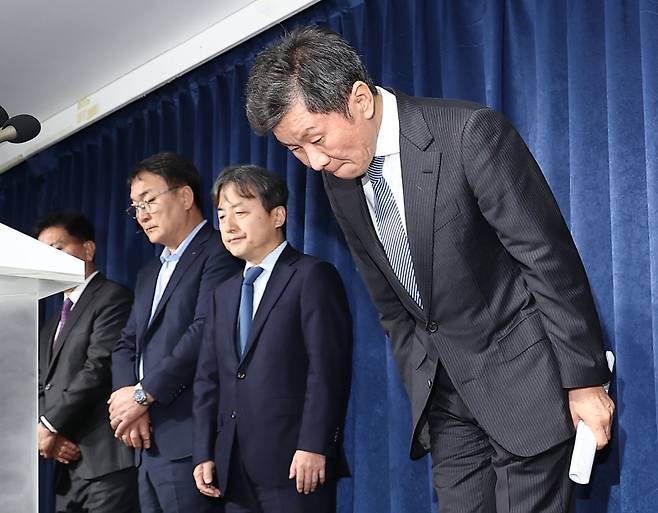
x=154, y=361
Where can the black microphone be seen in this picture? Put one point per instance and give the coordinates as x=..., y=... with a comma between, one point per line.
x=19, y=129
x=3, y=115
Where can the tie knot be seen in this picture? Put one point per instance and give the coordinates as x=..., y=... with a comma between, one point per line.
x=375, y=169
x=251, y=275
x=67, y=305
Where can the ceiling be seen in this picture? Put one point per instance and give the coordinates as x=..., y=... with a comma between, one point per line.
x=54, y=54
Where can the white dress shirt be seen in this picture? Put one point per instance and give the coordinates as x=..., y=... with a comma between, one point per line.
x=267, y=265
x=388, y=146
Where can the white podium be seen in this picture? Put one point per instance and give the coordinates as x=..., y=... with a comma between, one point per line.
x=29, y=271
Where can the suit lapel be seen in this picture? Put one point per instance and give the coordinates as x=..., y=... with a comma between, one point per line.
x=186, y=260
x=281, y=275
x=80, y=306
x=421, y=163
x=46, y=342
x=352, y=201
x=229, y=306
x=150, y=279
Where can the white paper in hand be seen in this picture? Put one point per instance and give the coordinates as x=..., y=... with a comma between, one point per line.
x=584, y=448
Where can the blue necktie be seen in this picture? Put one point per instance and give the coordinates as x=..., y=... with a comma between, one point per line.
x=391, y=231
x=246, y=307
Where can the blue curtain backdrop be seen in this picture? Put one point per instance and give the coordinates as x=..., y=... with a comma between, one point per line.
x=579, y=79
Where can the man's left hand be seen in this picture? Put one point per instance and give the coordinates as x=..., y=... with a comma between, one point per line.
x=124, y=410
x=309, y=469
x=594, y=407
x=65, y=451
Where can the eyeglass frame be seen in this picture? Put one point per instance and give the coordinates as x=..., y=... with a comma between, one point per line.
x=146, y=206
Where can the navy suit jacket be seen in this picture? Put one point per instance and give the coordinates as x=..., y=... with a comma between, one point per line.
x=290, y=389
x=170, y=343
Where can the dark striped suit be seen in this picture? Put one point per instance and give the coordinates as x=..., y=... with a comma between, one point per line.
x=508, y=316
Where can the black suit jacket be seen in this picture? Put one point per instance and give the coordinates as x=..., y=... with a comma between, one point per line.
x=75, y=382
x=507, y=306
x=170, y=343
x=290, y=389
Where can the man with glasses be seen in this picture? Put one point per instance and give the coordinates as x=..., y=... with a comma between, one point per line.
x=154, y=362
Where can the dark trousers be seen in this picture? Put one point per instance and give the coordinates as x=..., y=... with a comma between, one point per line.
x=244, y=496
x=474, y=474
x=167, y=486
x=115, y=492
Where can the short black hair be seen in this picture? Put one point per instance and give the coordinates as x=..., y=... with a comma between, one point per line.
x=253, y=182
x=175, y=169
x=311, y=65
x=75, y=224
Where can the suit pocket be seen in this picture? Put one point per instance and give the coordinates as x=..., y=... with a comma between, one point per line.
x=525, y=334
x=446, y=215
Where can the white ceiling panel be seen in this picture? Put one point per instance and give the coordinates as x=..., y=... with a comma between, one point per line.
x=56, y=53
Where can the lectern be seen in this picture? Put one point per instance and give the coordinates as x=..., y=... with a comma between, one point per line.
x=29, y=271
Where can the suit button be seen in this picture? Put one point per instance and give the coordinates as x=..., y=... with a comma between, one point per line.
x=429, y=383
x=241, y=375
x=49, y=386
x=432, y=327
x=233, y=414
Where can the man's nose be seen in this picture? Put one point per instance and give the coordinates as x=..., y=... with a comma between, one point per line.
x=229, y=223
x=318, y=160
x=142, y=215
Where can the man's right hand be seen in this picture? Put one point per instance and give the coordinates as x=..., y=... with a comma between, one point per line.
x=46, y=441
x=203, y=477
x=138, y=434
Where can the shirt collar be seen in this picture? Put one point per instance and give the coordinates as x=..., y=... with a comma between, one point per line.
x=75, y=294
x=388, y=138
x=270, y=260
x=173, y=256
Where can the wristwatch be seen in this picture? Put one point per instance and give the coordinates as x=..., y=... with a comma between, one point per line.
x=139, y=395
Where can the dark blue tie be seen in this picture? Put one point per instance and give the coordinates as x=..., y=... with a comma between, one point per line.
x=391, y=231
x=246, y=307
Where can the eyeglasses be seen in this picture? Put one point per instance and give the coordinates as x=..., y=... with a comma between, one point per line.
x=148, y=206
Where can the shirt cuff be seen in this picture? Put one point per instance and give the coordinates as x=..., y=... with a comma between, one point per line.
x=48, y=425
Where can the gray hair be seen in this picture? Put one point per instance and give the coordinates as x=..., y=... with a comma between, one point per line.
x=311, y=65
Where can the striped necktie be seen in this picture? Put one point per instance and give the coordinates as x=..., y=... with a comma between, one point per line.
x=391, y=232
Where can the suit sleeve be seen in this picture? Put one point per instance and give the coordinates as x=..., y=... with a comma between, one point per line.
x=206, y=392
x=87, y=387
x=176, y=370
x=398, y=324
x=327, y=330
x=125, y=352
x=45, y=338
x=516, y=201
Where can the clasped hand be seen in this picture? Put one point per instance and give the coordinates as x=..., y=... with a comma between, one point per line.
x=53, y=445
x=129, y=420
